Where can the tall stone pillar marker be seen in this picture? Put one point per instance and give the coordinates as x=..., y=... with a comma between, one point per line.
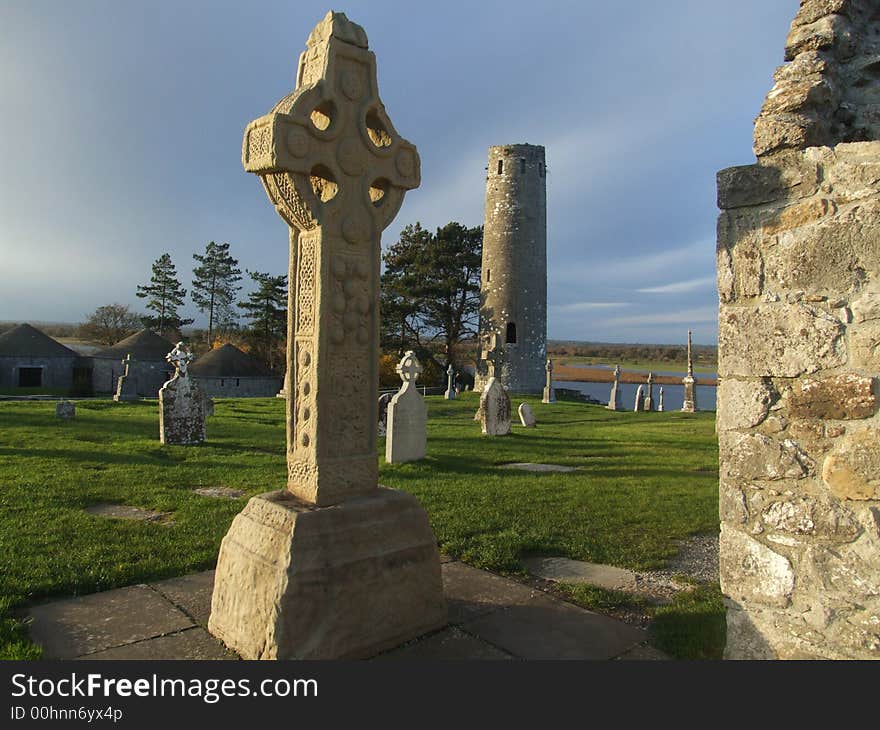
x=450, y=393
x=798, y=362
x=649, y=398
x=613, y=404
x=690, y=383
x=333, y=566
x=549, y=393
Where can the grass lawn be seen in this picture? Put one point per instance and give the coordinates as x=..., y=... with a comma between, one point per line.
x=644, y=481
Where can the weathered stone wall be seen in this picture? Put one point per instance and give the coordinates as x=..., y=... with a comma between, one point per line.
x=799, y=350
x=149, y=374
x=57, y=371
x=252, y=387
x=514, y=270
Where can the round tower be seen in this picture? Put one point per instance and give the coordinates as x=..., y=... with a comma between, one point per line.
x=513, y=288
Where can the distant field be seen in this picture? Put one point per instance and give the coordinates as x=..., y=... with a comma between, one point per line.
x=644, y=481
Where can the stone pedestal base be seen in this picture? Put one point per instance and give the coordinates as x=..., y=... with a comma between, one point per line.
x=549, y=396
x=295, y=581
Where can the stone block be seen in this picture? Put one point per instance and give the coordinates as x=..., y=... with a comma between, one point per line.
x=815, y=516
x=295, y=581
x=181, y=412
x=845, y=396
x=827, y=32
x=777, y=339
x=526, y=416
x=752, y=572
x=65, y=410
x=853, y=470
x=789, y=177
x=754, y=456
x=742, y=403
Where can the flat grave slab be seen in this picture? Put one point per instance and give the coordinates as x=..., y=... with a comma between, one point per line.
x=577, y=571
x=528, y=466
x=194, y=643
x=449, y=644
x=125, y=512
x=220, y=492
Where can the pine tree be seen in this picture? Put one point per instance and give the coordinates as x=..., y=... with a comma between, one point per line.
x=164, y=295
x=215, y=284
x=266, y=308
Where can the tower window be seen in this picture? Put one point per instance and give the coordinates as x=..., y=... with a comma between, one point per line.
x=511, y=333
x=540, y=169
x=488, y=275
x=500, y=166
x=522, y=165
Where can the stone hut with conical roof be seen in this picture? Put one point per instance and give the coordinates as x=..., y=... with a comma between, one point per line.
x=148, y=365
x=30, y=358
x=228, y=372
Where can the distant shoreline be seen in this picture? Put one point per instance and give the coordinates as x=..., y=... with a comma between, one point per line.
x=602, y=375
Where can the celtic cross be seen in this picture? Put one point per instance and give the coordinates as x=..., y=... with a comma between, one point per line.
x=409, y=368
x=336, y=171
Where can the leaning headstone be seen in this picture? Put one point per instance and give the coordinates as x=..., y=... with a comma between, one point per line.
x=494, y=409
x=181, y=403
x=690, y=384
x=407, y=416
x=613, y=405
x=549, y=395
x=384, y=400
x=65, y=409
x=126, y=384
x=649, y=398
x=451, y=392
x=640, y=401
x=334, y=566
x=526, y=416
x=660, y=400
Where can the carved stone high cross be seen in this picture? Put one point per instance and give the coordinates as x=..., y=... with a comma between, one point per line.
x=336, y=170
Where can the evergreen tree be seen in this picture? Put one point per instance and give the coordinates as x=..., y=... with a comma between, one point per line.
x=266, y=308
x=214, y=286
x=430, y=295
x=164, y=295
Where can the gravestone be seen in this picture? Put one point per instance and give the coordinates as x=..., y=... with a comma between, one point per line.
x=334, y=566
x=639, y=399
x=549, y=393
x=181, y=403
x=613, y=404
x=384, y=400
x=649, y=398
x=126, y=384
x=690, y=384
x=451, y=391
x=660, y=401
x=494, y=409
x=65, y=410
x=284, y=388
x=526, y=416
x=407, y=416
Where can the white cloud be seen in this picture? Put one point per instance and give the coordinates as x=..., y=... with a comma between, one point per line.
x=680, y=287
x=585, y=306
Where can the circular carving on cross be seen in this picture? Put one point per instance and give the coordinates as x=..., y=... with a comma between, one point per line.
x=350, y=158
x=305, y=358
x=298, y=142
x=409, y=368
x=351, y=85
x=355, y=229
x=404, y=162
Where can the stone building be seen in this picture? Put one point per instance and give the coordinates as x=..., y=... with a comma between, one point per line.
x=30, y=358
x=148, y=366
x=798, y=360
x=513, y=288
x=227, y=372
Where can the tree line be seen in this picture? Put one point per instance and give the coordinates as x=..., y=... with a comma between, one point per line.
x=215, y=287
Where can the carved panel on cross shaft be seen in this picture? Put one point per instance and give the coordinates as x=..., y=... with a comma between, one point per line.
x=351, y=300
x=307, y=262
x=303, y=402
x=350, y=420
x=290, y=204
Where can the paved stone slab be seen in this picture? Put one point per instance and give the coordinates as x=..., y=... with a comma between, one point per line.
x=577, y=571
x=220, y=492
x=643, y=653
x=449, y=644
x=546, y=628
x=470, y=592
x=190, y=593
x=88, y=624
x=190, y=644
x=528, y=466
x=124, y=512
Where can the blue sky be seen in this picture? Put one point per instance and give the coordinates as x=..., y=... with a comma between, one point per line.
x=121, y=127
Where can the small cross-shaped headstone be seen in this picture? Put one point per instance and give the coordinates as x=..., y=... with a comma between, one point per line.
x=409, y=368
